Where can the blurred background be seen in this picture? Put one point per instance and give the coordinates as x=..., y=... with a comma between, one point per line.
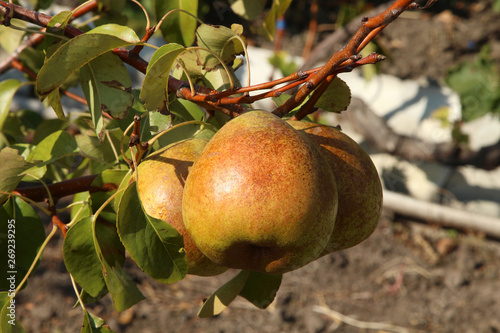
x=438, y=89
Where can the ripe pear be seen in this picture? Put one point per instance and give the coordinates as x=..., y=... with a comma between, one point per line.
x=358, y=183
x=160, y=184
x=260, y=196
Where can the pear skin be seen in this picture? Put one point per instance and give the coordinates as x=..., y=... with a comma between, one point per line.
x=260, y=196
x=160, y=183
x=358, y=183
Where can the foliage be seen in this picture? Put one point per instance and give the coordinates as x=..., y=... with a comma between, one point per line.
x=477, y=83
x=118, y=125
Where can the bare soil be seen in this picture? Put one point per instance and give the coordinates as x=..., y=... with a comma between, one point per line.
x=412, y=275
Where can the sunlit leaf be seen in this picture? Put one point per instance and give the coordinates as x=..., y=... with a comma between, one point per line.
x=80, y=50
x=187, y=131
x=155, y=245
x=223, y=296
x=18, y=219
x=336, y=97
x=10, y=38
x=54, y=98
x=8, y=317
x=55, y=146
x=11, y=169
x=154, y=92
x=178, y=27
x=7, y=90
x=260, y=289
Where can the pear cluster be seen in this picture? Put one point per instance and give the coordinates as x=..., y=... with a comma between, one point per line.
x=263, y=194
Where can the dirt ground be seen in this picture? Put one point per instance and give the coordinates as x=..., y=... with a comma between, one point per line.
x=414, y=276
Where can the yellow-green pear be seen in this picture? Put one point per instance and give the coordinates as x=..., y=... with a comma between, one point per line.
x=160, y=183
x=358, y=183
x=260, y=196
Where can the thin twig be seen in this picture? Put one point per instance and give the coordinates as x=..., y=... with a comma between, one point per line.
x=362, y=36
x=358, y=323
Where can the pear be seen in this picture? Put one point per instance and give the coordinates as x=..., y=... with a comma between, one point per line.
x=160, y=184
x=358, y=183
x=260, y=196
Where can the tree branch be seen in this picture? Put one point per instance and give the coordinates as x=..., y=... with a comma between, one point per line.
x=377, y=133
x=370, y=27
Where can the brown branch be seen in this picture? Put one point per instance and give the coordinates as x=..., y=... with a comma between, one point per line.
x=38, y=193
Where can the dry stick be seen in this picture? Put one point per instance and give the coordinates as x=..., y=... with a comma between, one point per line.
x=447, y=216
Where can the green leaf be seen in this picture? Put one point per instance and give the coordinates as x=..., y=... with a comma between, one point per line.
x=248, y=9
x=54, y=147
x=222, y=41
x=223, y=296
x=93, y=324
x=110, y=251
x=7, y=90
x=48, y=126
x=11, y=170
x=8, y=321
x=336, y=97
x=19, y=222
x=178, y=27
x=56, y=26
x=155, y=245
x=107, y=86
x=187, y=131
x=260, y=289
x=278, y=9
x=154, y=92
x=79, y=51
x=54, y=98
x=81, y=258
x=87, y=299
x=10, y=38
x=478, y=85
x=159, y=122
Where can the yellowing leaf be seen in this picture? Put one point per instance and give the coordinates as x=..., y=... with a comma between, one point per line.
x=223, y=296
x=336, y=97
